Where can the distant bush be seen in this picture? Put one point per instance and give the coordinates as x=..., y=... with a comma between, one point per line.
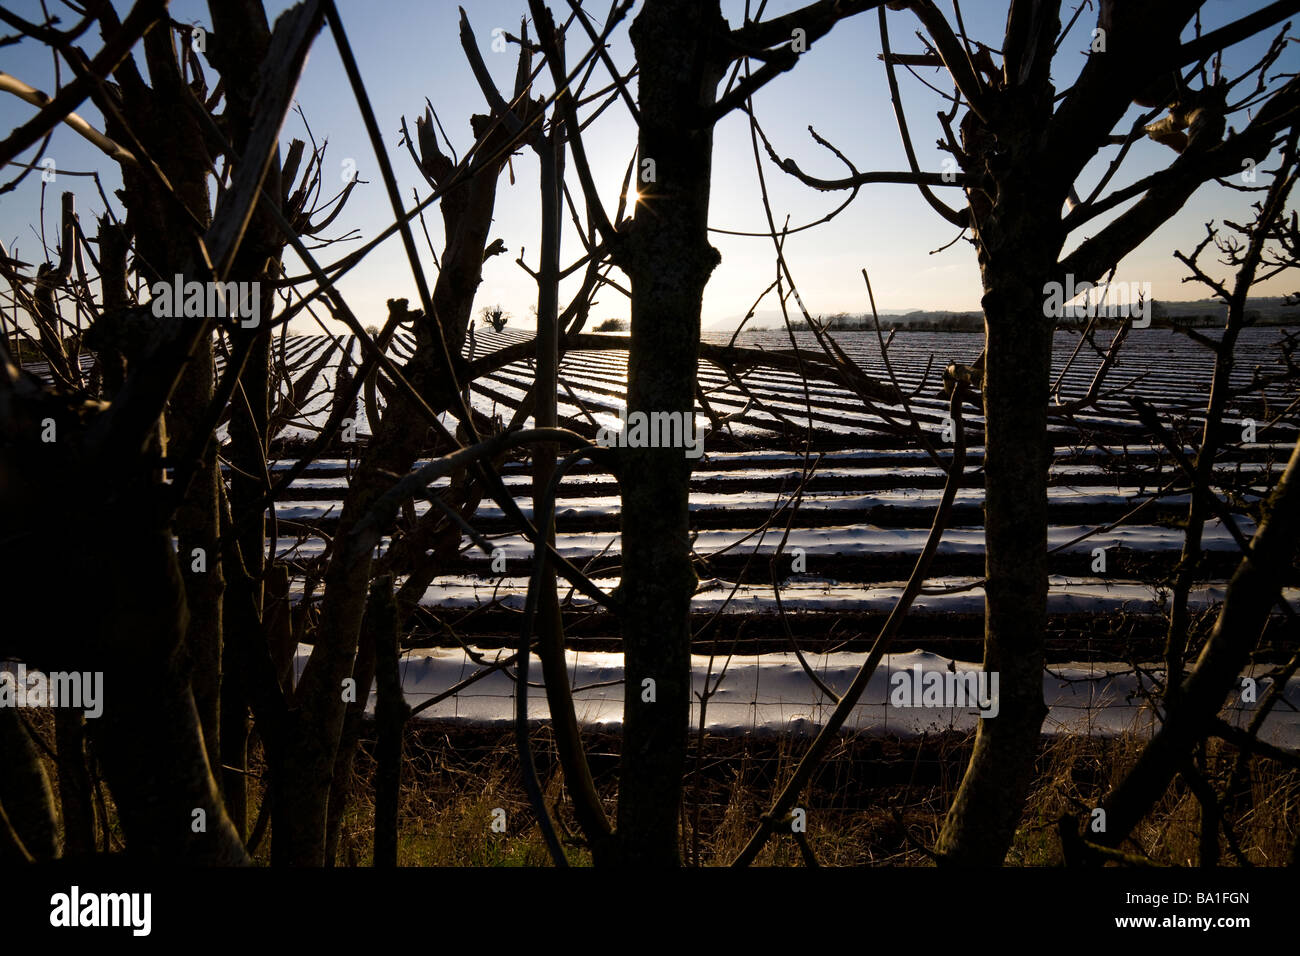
x=495, y=316
x=612, y=325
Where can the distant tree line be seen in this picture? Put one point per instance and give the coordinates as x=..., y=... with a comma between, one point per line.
x=1204, y=313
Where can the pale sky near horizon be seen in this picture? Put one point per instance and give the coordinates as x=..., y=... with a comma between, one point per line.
x=410, y=50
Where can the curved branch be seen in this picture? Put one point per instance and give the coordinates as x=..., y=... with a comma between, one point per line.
x=791, y=230
x=957, y=218
x=953, y=55
x=1175, y=185
x=866, y=179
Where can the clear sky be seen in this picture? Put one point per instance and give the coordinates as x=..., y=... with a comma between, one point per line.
x=409, y=50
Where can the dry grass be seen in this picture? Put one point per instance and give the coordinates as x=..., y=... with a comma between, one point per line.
x=874, y=801
x=1264, y=815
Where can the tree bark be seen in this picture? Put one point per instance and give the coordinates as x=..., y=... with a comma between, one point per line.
x=1018, y=238
x=669, y=260
x=982, y=819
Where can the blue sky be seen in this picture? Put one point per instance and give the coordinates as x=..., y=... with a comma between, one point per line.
x=408, y=50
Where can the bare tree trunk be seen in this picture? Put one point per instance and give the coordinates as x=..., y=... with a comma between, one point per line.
x=149, y=744
x=74, y=783
x=108, y=532
x=197, y=524
x=986, y=810
x=1198, y=512
x=239, y=44
x=112, y=278
x=1018, y=237
x=127, y=628
x=550, y=622
x=315, y=723
x=161, y=116
x=669, y=260
x=25, y=793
